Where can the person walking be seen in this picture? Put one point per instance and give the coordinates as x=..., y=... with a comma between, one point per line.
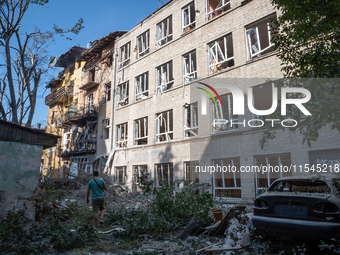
x=97, y=185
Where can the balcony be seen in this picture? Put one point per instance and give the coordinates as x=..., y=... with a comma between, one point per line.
x=59, y=95
x=78, y=116
x=82, y=148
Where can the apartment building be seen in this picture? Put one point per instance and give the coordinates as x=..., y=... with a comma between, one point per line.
x=160, y=125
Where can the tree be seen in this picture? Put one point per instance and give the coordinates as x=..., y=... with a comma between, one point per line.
x=307, y=38
x=26, y=58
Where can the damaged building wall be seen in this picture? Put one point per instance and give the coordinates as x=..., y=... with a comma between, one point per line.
x=19, y=176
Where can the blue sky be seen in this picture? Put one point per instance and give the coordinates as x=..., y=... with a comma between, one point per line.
x=101, y=17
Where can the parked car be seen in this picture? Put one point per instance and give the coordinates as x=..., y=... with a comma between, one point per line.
x=299, y=207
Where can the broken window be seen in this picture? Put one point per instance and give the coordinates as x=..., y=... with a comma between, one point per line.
x=125, y=55
x=221, y=54
x=67, y=139
x=263, y=179
x=190, y=171
x=92, y=73
x=164, y=173
x=141, y=131
x=122, y=135
x=89, y=103
x=123, y=94
x=164, y=126
x=108, y=92
x=143, y=44
x=138, y=171
x=262, y=98
x=216, y=7
x=190, y=69
x=120, y=175
x=106, y=128
x=190, y=120
x=260, y=38
x=52, y=118
x=142, y=86
x=301, y=186
x=164, y=79
x=223, y=112
x=78, y=165
x=164, y=31
x=189, y=15
x=227, y=177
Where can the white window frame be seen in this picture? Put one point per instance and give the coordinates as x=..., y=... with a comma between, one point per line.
x=123, y=94
x=169, y=167
x=215, y=52
x=122, y=138
x=107, y=92
x=90, y=102
x=106, y=129
x=163, y=33
x=188, y=21
x=139, y=134
x=220, y=7
x=142, y=86
x=160, y=121
x=191, y=126
x=270, y=174
x=258, y=49
x=137, y=173
x=190, y=166
x=189, y=67
x=216, y=113
x=224, y=187
x=164, y=77
x=117, y=169
x=125, y=55
x=143, y=44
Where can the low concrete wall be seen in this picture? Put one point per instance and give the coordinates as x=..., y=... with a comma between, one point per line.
x=19, y=176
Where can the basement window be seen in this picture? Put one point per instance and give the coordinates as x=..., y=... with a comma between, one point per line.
x=190, y=120
x=264, y=179
x=221, y=54
x=122, y=135
x=189, y=66
x=164, y=173
x=123, y=94
x=120, y=175
x=164, y=126
x=190, y=172
x=141, y=131
x=125, y=55
x=227, y=183
x=164, y=31
x=108, y=92
x=143, y=44
x=260, y=38
x=189, y=16
x=216, y=7
x=106, y=129
x=223, y=112
x=164, y=78
x=142, y=86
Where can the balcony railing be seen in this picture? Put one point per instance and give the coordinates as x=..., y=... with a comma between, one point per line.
x=58, y=94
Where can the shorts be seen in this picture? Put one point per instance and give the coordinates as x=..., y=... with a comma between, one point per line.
x=98, y=204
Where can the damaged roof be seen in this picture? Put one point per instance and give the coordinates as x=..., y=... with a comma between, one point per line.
x=68, y=57
x=10, y=132
x=98, y=45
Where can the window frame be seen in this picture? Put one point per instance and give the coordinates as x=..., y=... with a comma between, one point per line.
x=138, y=138
x=219, y=110
x=145, y=45
x=214, y=56
x=219, y=8
x=141, y=94
x=191, y=24
x=190, y=129
x=123, y=57
x=187, y=167
x=123, y=90
x=116, y=179
x=106, y=128
x=192, y=74
x=119, y=142
x=164, y=36
x=108, y=92
x=168, y=129
x=169, y=82
x=170, y=171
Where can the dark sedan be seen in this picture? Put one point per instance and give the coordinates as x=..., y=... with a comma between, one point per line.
x=299, y=207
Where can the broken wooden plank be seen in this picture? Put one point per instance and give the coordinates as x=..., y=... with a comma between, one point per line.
x=209, y=247
x=225, y=222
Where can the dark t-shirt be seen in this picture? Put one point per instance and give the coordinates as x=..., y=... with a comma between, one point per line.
x=96, y=191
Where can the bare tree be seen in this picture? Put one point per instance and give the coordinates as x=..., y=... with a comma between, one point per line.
x=25, y=60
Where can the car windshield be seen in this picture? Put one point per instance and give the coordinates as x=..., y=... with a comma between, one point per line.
x=301, y=186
